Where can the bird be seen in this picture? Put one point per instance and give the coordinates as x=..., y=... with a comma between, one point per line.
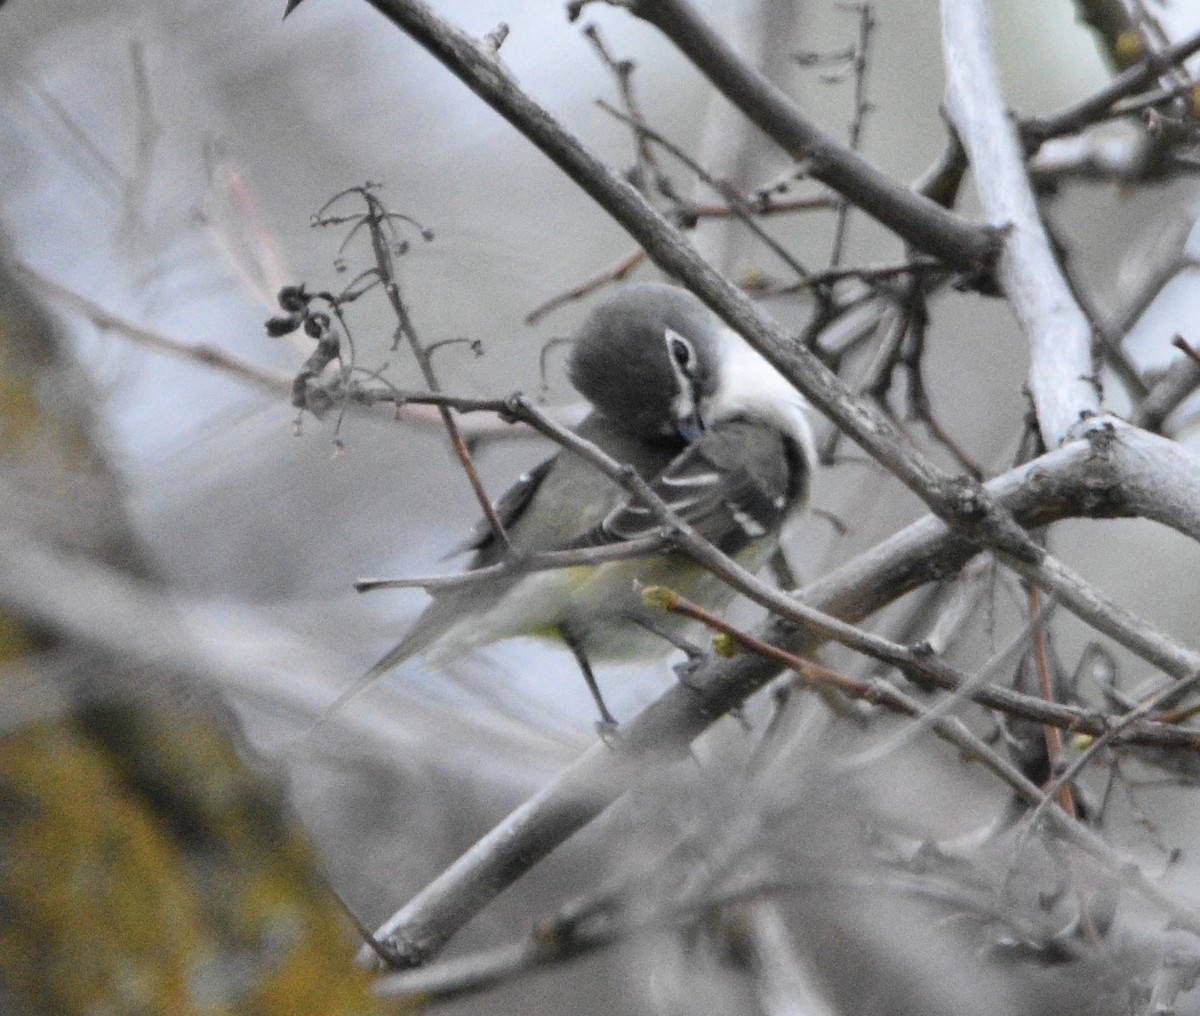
x=718, y=433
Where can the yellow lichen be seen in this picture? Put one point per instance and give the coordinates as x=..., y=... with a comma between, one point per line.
x=110, y=911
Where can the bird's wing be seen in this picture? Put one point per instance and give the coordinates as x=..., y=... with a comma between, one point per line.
x=508, y=507
x=734, y=484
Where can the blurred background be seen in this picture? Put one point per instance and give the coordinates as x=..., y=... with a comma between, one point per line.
x=162, y=161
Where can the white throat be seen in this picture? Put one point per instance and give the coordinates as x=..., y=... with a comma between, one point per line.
x=751, y=387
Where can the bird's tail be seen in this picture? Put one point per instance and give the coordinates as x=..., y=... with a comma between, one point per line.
x=431, y=625
x=391, y=659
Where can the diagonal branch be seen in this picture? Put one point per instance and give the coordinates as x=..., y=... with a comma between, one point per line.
x=918, y=220
x=957, y=498
x=1089, y=110
x=1049, y=574
x=1062, y=374
x=1139, y=477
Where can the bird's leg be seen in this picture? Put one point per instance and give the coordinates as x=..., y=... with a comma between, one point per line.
x=607, y=723
x=692, y=651
x=695, y=656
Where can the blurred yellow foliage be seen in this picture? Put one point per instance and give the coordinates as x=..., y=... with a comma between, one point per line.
x=146, y=866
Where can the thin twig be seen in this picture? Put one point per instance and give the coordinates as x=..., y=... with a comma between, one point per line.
x=201, y=353
x=1080, y=114
x=1054, y=738
x=614, y=274
x=871, y=276
x=921, y=222
x=912, y=356
x=1106, y=615
x=737, y=205
x=622, y=71
x=866, y=23
x=964, y=692
x=619, y=271
x=1146, y=707
x=1109, y=331
x=1145, y=103
x=377, y=220
x=1182, y=344
x=927, y=550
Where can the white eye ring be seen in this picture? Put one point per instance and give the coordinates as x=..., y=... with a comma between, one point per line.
x=681, y=352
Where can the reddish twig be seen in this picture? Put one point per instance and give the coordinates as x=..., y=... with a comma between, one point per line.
x=1054, y=738
x=875, y=691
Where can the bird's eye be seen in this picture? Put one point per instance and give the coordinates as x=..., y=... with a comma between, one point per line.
x=681, y=351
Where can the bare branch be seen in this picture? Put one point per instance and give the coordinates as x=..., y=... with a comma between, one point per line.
x=879, y=691
x=378, y=220
x=920, y=221
x=730, y=146
x=209, y=356
x=1062, y=782
x=1053, y=736
x=1138, y=474
x=649, y=174
x=1079, y=115
x=866, y=24
x=1103, y=614
x=959, y=498
x=1062, y=370
x=737, y=204
x=420, y=411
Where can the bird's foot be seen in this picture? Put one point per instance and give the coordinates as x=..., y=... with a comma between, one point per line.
x=608, y=729
x=684, y=670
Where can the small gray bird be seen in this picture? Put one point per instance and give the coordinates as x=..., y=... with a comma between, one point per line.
x=718, y=433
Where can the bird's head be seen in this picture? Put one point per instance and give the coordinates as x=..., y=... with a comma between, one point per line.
x=649, y=360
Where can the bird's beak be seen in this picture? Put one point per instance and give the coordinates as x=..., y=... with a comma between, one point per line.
x=691, y=426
